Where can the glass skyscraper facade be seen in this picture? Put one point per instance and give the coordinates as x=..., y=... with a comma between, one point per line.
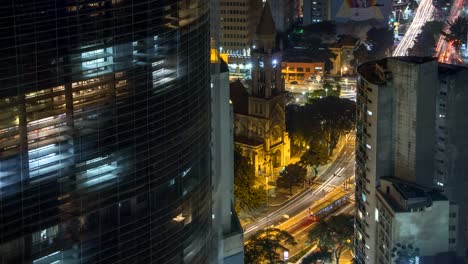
x=105, y=131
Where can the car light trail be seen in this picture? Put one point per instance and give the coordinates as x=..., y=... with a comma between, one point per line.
x=424, y=13
x=304, y=199
x=444, y=49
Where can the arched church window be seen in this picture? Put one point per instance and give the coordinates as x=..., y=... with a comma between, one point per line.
x=277, y=159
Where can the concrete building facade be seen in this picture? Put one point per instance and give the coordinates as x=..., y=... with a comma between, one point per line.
x=284, y=13
x=226, y=225
x=239, y=19
x=399, y=111
x=296, y=72
x=316, y=11
x=343, y=50
x=415, y=217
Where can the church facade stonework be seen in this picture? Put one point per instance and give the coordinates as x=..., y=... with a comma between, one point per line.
x=259, y=121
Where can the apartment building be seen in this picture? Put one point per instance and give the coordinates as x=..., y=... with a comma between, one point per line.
x=239, y=19
x=410, y=127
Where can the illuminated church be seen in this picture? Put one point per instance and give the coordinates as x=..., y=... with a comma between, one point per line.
x=259, y=122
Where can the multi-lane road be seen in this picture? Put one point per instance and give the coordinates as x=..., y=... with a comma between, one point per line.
x=329, y=180
x=301, y=233
x=424, y=13
x=445, y=50
x=348, y=90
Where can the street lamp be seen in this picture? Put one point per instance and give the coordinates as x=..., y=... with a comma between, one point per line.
x=326, y=92
x=345, y=69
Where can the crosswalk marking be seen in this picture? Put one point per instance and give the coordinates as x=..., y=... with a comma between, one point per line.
x=328, y=188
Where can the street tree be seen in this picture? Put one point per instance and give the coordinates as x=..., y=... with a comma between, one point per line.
x=457, y=33
x=380, y=40
x=413, y=5
x=327, y=85
x=320, y=29
x=338, y=89
x=424, y=45
x=441, y=3
x=315, y=156
x=320, y=93
x=246, y=195
x=299, y=123
x=266, y=245
x=322, y=255
x=434, y=27
x=333, y=118
x=427, y=39
x=335, y=234
x=292, y=175
x=360, y=55
x=322, y=120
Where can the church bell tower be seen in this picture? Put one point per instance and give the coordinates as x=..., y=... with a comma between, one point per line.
x=266, y=56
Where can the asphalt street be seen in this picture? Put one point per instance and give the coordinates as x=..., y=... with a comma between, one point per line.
x=331, y=178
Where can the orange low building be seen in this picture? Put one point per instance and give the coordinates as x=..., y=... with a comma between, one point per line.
x=296, y=72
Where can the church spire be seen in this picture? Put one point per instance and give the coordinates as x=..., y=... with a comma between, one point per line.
x=266, y=25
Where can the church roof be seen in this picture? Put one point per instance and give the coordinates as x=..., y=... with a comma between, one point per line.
x=345, y=40
x=239, y=97
x=266, y=24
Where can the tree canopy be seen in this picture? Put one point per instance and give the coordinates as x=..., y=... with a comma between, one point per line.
x=457, y=31
x=266, y=245
x=322, y=121
x=333, y=117
x=315, y=156
x=320, y=255
x=292, y=175
x=426, y=40
x=360, y=55
x=321, y=28
x=246, y=195
x=335, y=234
x=380, y=39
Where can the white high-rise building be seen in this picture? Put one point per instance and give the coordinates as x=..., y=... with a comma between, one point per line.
x=411, y=131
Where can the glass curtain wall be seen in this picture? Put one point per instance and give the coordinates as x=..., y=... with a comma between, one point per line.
x=104, y=131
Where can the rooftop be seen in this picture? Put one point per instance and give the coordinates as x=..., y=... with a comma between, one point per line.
x=345, y=40
x=369, y=72
x=414, y=59
x=412, y=195
x=254, y=142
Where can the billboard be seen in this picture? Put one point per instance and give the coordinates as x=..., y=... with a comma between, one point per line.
x=361, y=10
